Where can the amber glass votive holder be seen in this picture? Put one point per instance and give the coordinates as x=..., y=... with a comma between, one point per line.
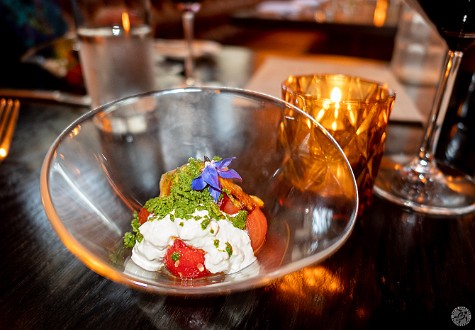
x=355, y=112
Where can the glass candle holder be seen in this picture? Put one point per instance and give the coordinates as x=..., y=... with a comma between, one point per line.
x=355, y=112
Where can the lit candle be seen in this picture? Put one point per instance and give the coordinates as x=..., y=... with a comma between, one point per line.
x=335, y=97
x=126, y=22
x=380, y=13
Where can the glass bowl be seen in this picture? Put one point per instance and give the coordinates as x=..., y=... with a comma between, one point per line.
x=108, y=162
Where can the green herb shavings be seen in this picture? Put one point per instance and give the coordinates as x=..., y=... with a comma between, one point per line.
x=205, y=223
x=229, y=249
x=130, y=238
x=175, y=256
x=238, y=220
x=183, y=200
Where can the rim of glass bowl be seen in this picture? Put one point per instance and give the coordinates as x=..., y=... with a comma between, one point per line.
x=112, y=273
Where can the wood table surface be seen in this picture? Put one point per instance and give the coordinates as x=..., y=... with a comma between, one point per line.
x=398, y=268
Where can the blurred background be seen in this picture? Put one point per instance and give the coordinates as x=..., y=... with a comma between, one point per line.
x=361, y=28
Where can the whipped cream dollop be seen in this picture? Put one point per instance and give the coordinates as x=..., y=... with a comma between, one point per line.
x=215, y=239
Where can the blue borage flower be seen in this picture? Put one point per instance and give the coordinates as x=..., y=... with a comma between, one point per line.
x=210, y=173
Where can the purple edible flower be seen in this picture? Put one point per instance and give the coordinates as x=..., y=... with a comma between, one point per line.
x=209, y=176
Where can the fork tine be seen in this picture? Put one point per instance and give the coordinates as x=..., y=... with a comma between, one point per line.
x=3, y=117
x=9, y=110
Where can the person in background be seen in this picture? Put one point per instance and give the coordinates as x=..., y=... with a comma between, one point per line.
x=26, y=24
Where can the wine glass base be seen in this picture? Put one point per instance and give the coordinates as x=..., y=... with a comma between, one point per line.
x=441, y=192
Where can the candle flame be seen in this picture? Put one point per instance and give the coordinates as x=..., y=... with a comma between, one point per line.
x=380, y=13
x=126, y=22
x=335, y=95
x=336, y=98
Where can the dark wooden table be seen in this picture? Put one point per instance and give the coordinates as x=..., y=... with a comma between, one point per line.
x=398, y=269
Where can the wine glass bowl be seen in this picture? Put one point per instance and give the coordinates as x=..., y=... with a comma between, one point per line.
x=109, y=162
x=418, y=183
x=454, y=20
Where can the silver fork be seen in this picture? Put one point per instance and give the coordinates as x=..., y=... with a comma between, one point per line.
x=9, y=110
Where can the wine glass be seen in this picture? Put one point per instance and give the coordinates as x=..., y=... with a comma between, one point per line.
x=188, y=9
x=420, y=183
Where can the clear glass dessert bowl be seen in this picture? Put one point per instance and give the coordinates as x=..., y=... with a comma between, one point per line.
x=108, y=162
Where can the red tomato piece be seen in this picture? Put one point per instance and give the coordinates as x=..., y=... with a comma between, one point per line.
x=185, y=261
x=227, y=206
x=256, y=225
x=256, y=222
x=143, y=215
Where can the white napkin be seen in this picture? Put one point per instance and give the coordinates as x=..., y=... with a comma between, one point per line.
x=275, y=69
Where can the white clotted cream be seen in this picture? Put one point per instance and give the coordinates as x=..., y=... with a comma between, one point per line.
x=215, y=239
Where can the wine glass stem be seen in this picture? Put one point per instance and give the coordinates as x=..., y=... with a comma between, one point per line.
x=188, y=17
x=425, y=158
